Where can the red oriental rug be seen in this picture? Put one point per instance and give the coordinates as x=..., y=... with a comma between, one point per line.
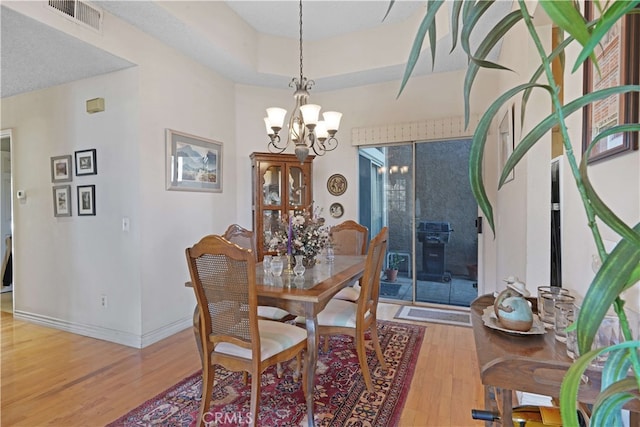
x=341, y=397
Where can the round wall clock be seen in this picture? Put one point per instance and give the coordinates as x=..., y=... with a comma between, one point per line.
x=336, y=210
x=337, y=184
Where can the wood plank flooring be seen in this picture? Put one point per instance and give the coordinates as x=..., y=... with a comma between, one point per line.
x=54, y=378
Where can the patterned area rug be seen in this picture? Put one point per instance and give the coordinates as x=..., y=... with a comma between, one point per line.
x=435, y=315
x=341, y=397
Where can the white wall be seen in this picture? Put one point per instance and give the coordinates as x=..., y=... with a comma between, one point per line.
x=64, y=265
x=522, y=208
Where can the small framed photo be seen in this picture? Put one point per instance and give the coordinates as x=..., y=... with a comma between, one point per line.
x=86, y=200
x=62, y=200
x=86, y=162
x=193, y=163
x=61, y=169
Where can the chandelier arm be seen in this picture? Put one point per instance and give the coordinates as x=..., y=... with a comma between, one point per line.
x=330, y=144
x=274, y=145
x=317, y=147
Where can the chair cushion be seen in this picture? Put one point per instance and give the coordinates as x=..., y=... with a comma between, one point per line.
x=271, y=313
x=336, y=313
x=275, y=337
x=350, y=293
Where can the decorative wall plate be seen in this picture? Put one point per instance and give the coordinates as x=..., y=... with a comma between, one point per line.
x=336, y=210
x=337, y=184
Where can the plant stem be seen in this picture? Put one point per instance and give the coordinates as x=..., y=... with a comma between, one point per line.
x=559, y=113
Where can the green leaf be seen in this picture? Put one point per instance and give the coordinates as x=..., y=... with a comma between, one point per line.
x=571, y=381
x=609, y=282
x=469, y=22
x=455, y=17
x=483, y=50
x=428, y=22
x=559, y=50
x=388, y=9
x=599, y=207
x=565, y=15
x=477, y=151
x=616, y=367
x=606, y=409
x=610, y=18
x=545, y=125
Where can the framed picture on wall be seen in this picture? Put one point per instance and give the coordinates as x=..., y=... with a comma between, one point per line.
x=193, y=163
x=86, y=200
x=618, y=55
x=62, y=200
x=86, y=162
x=61, y=169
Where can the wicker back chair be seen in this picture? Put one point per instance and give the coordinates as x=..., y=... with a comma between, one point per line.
x=242, y=237
x=355, y=318
x=223, y=277
x=349, y=238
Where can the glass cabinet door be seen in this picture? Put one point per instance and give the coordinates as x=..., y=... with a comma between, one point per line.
x=271, y=223
x=272, y=186
x=296, y=187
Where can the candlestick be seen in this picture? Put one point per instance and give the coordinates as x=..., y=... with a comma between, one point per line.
x=289, y=235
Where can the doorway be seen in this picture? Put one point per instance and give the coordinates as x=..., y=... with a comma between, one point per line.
x=421, y=192
x=6, y=209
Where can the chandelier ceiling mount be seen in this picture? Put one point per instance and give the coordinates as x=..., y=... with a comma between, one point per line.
x=305, y=129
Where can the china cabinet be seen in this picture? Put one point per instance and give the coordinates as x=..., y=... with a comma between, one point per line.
x=280, y=184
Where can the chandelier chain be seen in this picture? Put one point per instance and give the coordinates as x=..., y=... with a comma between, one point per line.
x=301, y=74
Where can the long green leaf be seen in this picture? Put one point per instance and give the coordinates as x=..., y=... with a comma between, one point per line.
x=391, y=2
x=609, y=282
x=469, y=22
x=545, y=125
x=428, y=22
x=477, y=151
x=571, y=381
x=559, y=50
x=616, y=367
x=564, y=14
x=455, y=18
x=608, y=405
x=599, y=207
x=610, y=18
x=483, y=50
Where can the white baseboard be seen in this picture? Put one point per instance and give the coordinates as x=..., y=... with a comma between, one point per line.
x=111, y=335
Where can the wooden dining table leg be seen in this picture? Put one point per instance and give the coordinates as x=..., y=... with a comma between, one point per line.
x=311, y=323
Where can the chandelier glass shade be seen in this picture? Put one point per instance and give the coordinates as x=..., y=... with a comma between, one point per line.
x=305, y=129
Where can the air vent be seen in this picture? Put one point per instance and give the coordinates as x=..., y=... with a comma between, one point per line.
x=79, y=11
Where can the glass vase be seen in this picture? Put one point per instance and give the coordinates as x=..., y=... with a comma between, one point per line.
x=299, y=268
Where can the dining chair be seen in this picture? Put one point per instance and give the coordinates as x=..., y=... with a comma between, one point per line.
x=355, y=318
x=349, y=238
x=246, y=239
x=224, y=280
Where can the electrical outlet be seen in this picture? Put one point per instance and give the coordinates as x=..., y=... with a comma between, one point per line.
x=103, y=301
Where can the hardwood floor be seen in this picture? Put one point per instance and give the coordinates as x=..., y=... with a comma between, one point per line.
x=54, y=378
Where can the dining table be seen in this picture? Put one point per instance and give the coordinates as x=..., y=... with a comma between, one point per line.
x=306, y=296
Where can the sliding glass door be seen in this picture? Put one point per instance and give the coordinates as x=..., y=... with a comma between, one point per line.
x=421, y=192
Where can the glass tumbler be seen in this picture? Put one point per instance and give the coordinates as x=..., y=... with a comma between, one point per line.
x=564, y=316
x=277, y=264
x=553, y=290
x=266, y=264
x=549, y=301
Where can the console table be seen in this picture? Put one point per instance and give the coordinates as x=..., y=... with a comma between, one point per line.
x=530, y=363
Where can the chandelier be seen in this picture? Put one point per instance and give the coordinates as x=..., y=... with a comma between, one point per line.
x=305, y=130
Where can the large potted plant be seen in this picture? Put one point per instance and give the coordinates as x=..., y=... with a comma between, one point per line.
x=620, y=268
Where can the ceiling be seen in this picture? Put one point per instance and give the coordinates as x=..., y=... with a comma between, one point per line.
x=36, y=56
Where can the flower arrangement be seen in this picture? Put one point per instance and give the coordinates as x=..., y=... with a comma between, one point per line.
x=302, y=233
